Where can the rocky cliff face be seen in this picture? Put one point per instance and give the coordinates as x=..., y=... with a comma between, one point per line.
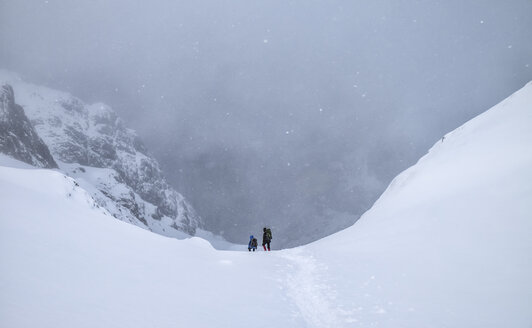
x=18, y=138
x=91, y=143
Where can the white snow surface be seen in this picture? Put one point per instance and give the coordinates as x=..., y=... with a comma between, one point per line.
x=449, y=244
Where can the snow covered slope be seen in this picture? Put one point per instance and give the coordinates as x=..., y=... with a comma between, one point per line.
x=93, y=138
x=67, y=263
x=447, y=245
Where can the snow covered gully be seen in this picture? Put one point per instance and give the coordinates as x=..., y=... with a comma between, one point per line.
x=447, y=245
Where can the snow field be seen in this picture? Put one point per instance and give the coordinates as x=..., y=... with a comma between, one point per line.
x=447, y=245
x=69, y=264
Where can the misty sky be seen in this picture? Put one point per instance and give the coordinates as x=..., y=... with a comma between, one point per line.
x=292, y=114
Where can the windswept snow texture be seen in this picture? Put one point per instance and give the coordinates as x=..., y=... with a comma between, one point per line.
x=447, y=245
x=125, y=179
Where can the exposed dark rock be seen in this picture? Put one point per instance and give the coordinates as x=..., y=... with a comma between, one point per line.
x=18, y=138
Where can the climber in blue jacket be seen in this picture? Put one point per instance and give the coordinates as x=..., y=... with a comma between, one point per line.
x=252, y=243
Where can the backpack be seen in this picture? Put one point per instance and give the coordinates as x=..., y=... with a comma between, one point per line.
x=254, y=242
x=268, y=234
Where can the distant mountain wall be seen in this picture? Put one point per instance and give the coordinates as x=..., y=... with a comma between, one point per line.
x=92, y=143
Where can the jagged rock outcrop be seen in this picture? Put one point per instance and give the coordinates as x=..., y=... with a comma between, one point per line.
x=18, y=138
x=127, y=181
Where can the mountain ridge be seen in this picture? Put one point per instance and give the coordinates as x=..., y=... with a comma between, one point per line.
x=92, y=138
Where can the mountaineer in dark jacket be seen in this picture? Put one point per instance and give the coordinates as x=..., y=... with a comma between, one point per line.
x=266, y=238
x=252, y=245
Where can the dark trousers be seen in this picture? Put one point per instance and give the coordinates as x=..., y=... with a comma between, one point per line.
x=266, y=243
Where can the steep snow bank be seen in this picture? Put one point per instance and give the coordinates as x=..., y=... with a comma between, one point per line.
x=449, y=244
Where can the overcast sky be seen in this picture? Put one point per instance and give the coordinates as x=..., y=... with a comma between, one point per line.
x=294, y=114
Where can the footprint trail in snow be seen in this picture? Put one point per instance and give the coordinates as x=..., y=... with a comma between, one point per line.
x=306, y=285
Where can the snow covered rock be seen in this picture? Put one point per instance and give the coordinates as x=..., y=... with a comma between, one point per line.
x=93, y=136
x=17, y=136
x=110, y=191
